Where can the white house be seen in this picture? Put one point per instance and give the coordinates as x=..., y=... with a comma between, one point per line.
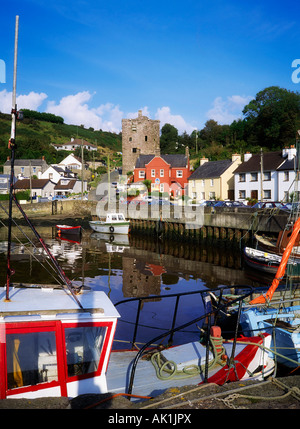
x=39, y=187
x=268, y=186
x=56, y=172
x=67, y=186
x=72, y=162
x=74, y=144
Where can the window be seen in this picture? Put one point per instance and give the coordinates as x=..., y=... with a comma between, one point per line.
x=134, y=150
x=146, y=138
x=267, y=194
x=203, y=182
x=267, y=175
x=242, y=177
x=242, y=195
x=141, y=174
x=253, y=177
x=34, y=170
x=31, y=358
x=178, y=173
x=286, y=176
x=152, y=173
x=212, y=195
x=161, y=187
x=194, y=195
x=211, y=182
x=83, y=345
x=22, y=169
x=130, y=139
x=203, y=195
x=162, y=172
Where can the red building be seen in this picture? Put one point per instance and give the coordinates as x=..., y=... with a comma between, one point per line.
x=168, y=173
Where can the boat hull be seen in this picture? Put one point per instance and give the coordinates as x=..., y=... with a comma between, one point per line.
x=249, y=359
x=283, y=327
x=110, y=227
x=68, y=230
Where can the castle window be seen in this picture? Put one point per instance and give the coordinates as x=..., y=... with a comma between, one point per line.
x=134, y=150
x=130, y=139
x=146, y=138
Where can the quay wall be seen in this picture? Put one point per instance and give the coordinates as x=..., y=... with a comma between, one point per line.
x=172, y=221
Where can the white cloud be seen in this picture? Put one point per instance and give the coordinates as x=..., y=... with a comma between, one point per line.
x=165, y=116
x=31, y=101
x=225, y=112
x=75, y=110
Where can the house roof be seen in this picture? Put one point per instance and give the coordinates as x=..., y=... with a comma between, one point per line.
x=27, y=162
x=69, y=185
x=271, y=161
x=211, y=169
x=35, y=183
x=175, y=161
x=288, y=164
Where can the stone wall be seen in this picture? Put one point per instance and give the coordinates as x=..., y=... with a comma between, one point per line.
x=139, y=136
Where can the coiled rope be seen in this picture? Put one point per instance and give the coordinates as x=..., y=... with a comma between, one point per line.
x=167, y=369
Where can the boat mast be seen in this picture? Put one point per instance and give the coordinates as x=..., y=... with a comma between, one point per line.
x=12, y=147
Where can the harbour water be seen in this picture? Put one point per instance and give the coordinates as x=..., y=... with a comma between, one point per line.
x=131, y=267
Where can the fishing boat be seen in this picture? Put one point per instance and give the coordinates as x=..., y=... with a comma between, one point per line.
x=114, y=223
x=269, y=262
x=278, y=245
x=68, y=230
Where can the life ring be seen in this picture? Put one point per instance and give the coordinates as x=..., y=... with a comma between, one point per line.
x=111, y=228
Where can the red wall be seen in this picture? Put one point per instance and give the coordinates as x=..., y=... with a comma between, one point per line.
x=158, y=164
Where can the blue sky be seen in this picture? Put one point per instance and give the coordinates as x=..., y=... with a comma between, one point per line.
x=183, y=62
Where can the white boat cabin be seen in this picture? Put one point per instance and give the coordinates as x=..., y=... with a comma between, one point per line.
x=49, y=346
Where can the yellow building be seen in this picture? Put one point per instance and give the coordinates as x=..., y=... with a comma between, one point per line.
x=213, y=180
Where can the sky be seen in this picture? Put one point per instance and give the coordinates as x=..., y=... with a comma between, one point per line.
x=96, y=62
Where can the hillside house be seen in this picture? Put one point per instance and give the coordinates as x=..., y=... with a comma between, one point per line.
x=75, y=144
x=213, y=179
x=26, y=167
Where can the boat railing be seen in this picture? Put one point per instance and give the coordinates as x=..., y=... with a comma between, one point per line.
x=219, y=306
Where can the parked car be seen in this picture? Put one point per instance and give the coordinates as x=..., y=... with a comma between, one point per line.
x=208, y=203
x=59, y=197
x=291, y=206
x=267, y=205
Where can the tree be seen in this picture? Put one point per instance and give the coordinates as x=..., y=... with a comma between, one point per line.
x=168, y=138
x=272, y=118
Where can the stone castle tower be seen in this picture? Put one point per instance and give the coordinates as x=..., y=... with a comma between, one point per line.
x=139, y=136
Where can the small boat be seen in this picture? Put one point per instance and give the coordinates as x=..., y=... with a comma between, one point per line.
x=115, y=223
x=68, y=230
x=278, y=245
x=269, y=262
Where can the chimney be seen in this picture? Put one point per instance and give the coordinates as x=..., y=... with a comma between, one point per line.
x=203, y=161
x=187, y=153
x=236, y=157
x=247, y=156
x=140, y=113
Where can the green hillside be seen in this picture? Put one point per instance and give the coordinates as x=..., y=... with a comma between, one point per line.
x=34, y=138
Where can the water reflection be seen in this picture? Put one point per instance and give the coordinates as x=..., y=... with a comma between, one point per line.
x=126, y=267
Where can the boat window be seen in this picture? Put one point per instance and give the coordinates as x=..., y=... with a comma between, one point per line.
x=114, y=217
x=31, y=358
x=121, y=217
x=83, y=345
